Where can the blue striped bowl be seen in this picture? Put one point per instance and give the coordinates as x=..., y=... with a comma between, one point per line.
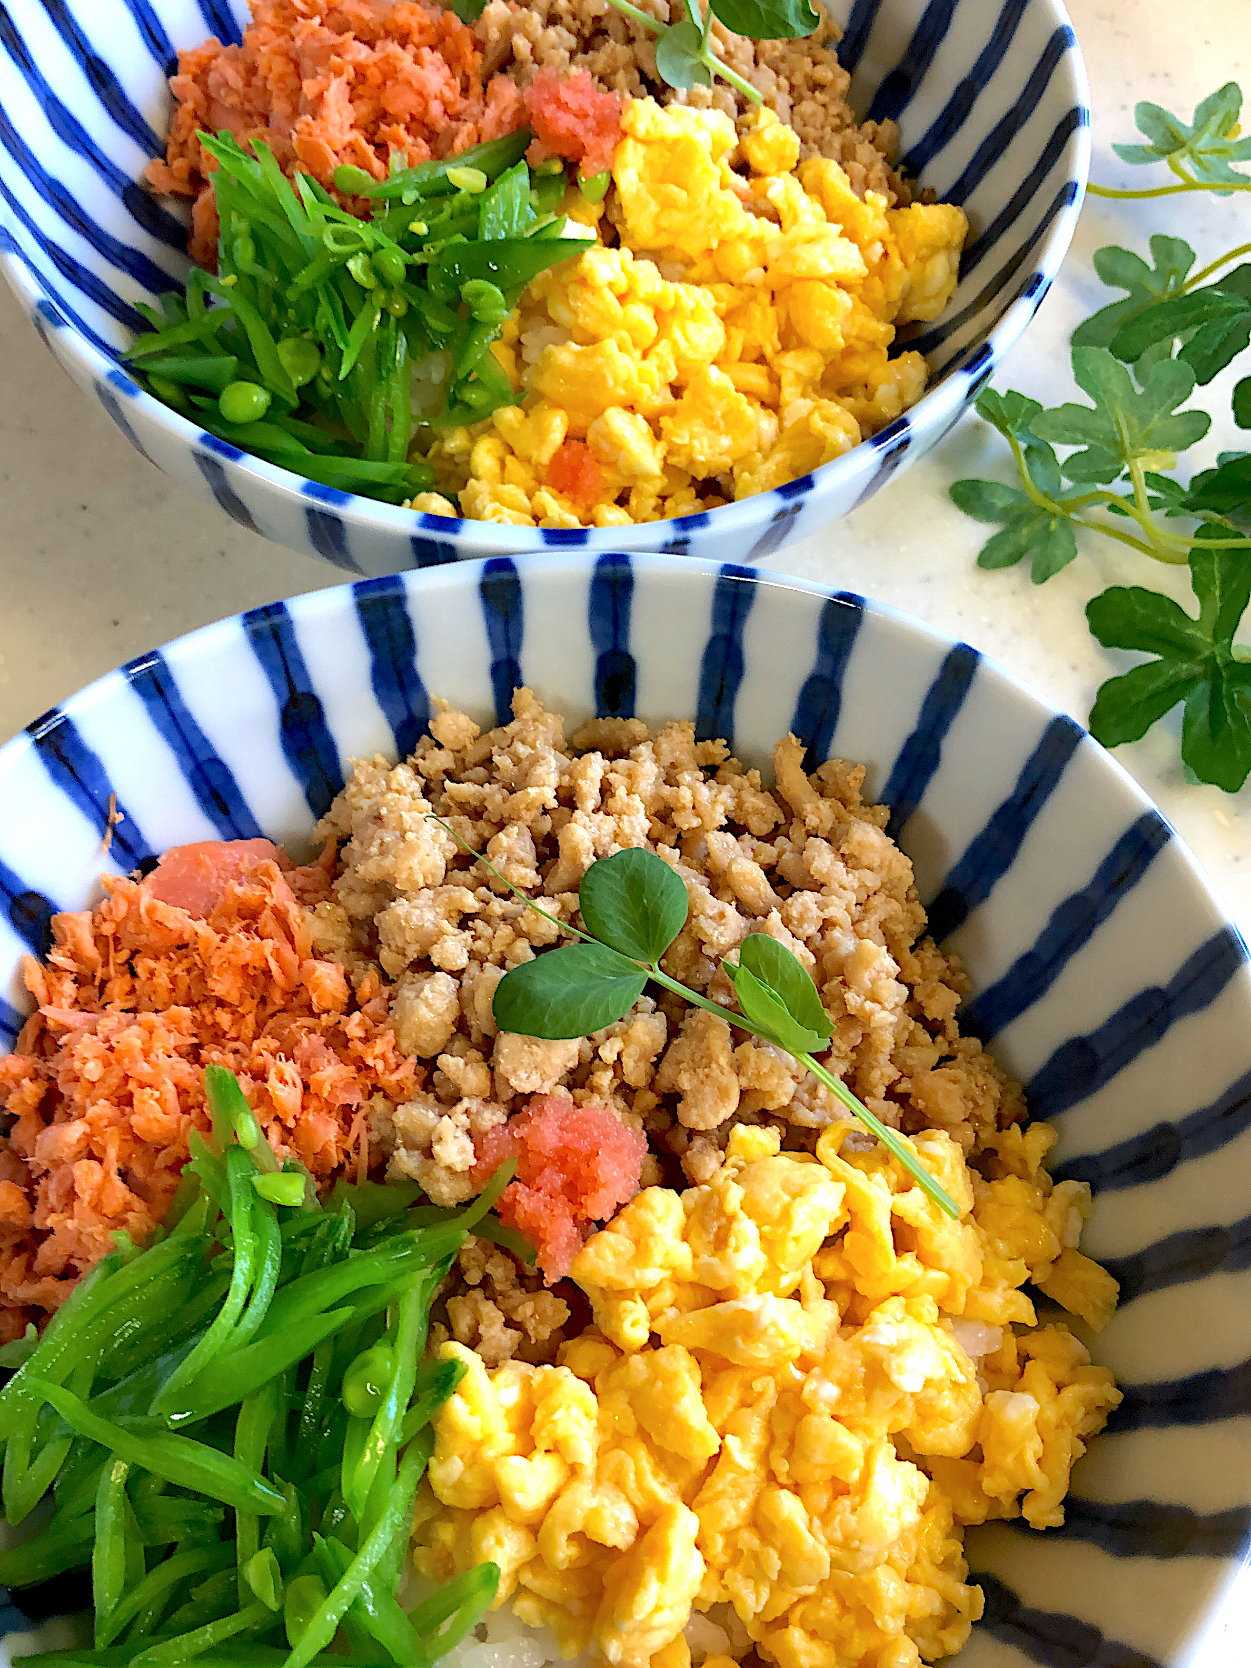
x=990, y=95
x=1105, y=976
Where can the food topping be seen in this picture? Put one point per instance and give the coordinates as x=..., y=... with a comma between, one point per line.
x=779, y=1410
x=575, y=1165
x=381, y=323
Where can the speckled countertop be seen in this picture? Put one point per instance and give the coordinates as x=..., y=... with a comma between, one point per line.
x=101, y=557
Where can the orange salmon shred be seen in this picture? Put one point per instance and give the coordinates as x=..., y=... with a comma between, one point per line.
x=207, y=961
x=575, y=1165
x=575, y=472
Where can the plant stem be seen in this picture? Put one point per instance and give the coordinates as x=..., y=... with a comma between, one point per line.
x=893, y=1142
x=647, y=22
x=1161, y=190
x=1042, y=502
x=565, y=926
x=1215, y=266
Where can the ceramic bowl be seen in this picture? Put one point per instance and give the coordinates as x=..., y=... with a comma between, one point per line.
x=1104, y=974
x=991, y=99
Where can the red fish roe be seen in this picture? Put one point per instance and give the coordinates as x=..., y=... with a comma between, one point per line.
x=572, y=118
x=575, y=1165
x=575, y=473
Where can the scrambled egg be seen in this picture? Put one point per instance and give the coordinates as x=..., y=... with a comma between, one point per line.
x=777, y=1408
x=720, y=349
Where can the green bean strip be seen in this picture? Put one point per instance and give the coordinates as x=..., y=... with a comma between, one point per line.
x=190, y=1464
x=243, y=1200
x=108, y=1555
x=237, y=1375
x=436, y=1381
x=64, y=1545
x=212, y=1599
x=385, y=1428
x=252, y=1427
x=157, y=1584
x=268, y=1266
x=398, y=1510
x=446, y=1617
x=188, y=1646
x=379, y=1611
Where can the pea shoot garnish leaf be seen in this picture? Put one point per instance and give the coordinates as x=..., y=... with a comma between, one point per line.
x=685, y=53
x=767, y=20
x=1111, y=467
x=637, y=907
x=680, y=56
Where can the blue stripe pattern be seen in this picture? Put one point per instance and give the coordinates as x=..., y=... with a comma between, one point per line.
x=1152, y=1528
x=107, y=88
x=992, y=852
x=215, y=474
x=503, y=612
x=608, y=620
x=898, y=87
x=27, y=911
x=1071, y=926
x=1157, y=1152
x=1050, y=1638
x=956, y=110
x=821, y=696
x=1083, y=1065
x=209, y=777
x=307, y=744
x=1181, y=1258
x=79, y=774
x=920, y=756
x=382, y=609
x=11, y=1023
x=721, y=665
x=1199, y=1399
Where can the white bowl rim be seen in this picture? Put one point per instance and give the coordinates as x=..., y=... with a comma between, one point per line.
x=937, y=409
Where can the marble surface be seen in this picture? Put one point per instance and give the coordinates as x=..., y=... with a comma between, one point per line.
x=101, y=557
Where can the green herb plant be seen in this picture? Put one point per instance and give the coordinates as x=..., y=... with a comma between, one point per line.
x=1110, y=467
x=234, y=1421
x=633, y=906
x=321, y=321
x=685, y=54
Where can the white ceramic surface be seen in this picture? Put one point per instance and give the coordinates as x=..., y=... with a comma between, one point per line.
x=100, y=556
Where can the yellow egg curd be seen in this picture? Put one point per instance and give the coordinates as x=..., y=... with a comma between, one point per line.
x=777, y=1408
x=735, y=338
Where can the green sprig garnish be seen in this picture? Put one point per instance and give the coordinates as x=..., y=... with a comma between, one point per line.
x=633, y=906
x=685, y=55
x=1109, y=467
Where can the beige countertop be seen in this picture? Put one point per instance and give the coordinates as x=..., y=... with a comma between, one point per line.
x=101, y=557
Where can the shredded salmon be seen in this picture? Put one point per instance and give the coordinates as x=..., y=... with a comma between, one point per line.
x=134, y=999
x=326, y=82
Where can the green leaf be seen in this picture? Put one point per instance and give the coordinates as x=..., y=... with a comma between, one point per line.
x=468, y=11
x=1242, y=403
x=680, y=57
x=1011, y=413
x=573, y=991
x=1207, y=146
x=1216, y=728
x=1047, y=539
x=1222, y=583
x=1216, y=345
x=1172, y=318
x=1126, y=707
x=633, y=902
x=787, y=979
x=1125, y=423
x=986, y=500
x=1129, y=617
x=762, y=1008
x=767, y=20
x=1224, y=490
x=1146, y=285
x=506, y=210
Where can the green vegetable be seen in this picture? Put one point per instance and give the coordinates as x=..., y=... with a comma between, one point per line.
x=286, y=1189
x=684, y=50
x=305, y=359
x=634, y=906
x=1110, y=467
x=251, y=1556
